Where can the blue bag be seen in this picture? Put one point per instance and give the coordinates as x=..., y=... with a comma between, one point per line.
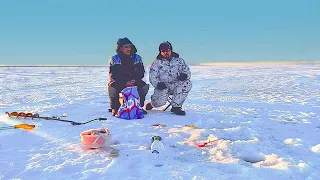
x=130, y=109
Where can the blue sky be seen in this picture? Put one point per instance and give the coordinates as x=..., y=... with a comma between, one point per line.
x=69, y=32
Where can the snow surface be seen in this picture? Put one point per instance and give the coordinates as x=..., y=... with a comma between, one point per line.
x=260, y=122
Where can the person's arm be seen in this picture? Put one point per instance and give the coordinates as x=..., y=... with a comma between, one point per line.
x=138, y=68
x=115, y=70
x=154, y=77
x=185, y=69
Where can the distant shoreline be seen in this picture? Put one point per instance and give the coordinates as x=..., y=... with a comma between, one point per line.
x=38, y=66
x=191, y=64
x=258, y=63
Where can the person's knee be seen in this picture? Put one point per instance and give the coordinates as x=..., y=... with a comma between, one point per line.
x=187, y=85
x=159, y=98
x=158, y=102
x=145, y=89
x=112, y=92
x=140, y=83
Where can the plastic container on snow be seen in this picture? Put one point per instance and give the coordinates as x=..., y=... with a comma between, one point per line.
x=158, y=151
x=95, y=138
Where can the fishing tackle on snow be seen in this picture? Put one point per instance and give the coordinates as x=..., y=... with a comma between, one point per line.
x=54, y=118
x=19, y=126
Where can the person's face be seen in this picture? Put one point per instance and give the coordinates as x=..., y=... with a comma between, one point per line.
x=166, y=53
x=126, y=49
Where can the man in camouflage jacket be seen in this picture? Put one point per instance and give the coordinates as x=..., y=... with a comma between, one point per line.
x=170, y=75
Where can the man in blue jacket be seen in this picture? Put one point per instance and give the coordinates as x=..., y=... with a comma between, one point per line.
x=126, y=69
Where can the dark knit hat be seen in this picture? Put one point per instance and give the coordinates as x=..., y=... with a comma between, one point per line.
x=165, y=46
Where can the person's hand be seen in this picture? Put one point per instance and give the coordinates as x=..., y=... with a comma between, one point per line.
x=161, y=86
x=129, y=83
x=182, y=77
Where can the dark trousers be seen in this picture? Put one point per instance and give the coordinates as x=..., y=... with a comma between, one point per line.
x=115, y=88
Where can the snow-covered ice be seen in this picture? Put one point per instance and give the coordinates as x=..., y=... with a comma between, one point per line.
x=259, y=122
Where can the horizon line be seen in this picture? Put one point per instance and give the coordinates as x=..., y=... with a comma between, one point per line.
x=194, y=64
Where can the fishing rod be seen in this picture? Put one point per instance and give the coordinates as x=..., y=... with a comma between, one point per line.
x=26, y=127
x=54, y=118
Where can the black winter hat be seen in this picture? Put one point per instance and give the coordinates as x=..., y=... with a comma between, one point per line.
x=165, y=45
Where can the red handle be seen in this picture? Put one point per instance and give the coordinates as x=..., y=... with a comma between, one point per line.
x=202, y=145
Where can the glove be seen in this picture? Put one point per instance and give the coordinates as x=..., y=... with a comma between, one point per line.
x=161, y=86
x=130, y=83
x=182, y=77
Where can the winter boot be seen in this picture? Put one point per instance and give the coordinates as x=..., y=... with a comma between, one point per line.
x=144, y=111
x=178, y=111
x=114, y=112
x=149, y=106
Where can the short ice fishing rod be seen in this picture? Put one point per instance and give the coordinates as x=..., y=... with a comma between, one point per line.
x=19, y=126
x=54, y=118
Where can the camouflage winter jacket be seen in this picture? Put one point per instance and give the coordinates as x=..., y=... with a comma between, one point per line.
x=166, y=71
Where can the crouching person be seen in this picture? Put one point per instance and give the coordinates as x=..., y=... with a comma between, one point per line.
x=126, y=69
x=170, y=75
